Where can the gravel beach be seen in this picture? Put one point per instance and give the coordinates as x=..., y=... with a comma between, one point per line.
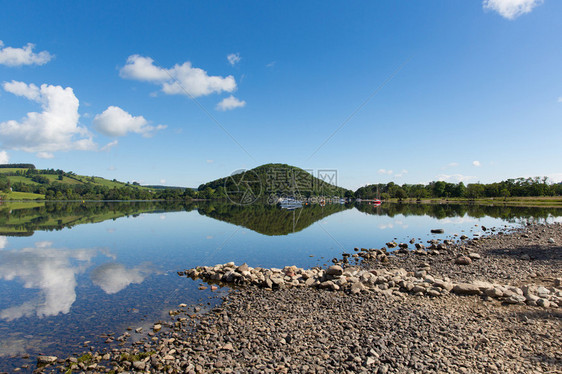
x=466, y=306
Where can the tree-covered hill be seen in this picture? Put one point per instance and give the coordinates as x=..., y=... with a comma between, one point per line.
x=274, y=179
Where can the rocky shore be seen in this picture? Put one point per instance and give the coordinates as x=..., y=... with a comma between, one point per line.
x=471, y=305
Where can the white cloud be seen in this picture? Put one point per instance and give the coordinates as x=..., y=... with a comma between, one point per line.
x=455, y=178
x=112, y=277
x=233, y=58
x=555, y=177
x=452, y=164
x=10, y=56
x=3, y=242
x=271, y=64
x=511, y=9
x=230, y=103
x=401, y=174
x=4, y=158
x=45, y=155
x=179, y=80
x=54, y=129
x=29, y=91
x=210, y=161
x=114, y=121
x=162, y=181
x=476, y=163
x=384, y=171
x=108, y=146
x=560, y=99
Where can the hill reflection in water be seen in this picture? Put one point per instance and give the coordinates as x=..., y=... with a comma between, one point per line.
x=23, y=219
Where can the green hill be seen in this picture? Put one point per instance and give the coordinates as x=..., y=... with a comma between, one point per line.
x=25, y=182
x=271, y=179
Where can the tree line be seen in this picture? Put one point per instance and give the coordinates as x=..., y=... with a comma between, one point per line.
x=519, y=187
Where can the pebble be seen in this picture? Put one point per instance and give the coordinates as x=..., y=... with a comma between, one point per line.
x=463, y=260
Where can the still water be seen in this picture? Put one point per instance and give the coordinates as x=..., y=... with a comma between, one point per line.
x=72, y=272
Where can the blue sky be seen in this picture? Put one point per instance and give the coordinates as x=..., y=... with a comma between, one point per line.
x=181, y=93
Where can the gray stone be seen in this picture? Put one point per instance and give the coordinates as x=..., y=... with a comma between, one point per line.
x=418, y=288
x=493, y=292
x=420, y=273
x=463, y=260
x=444, y=285
x=466, y=289
x=543, y=292
x=139, y=365
x=433, y=292
x=243, y=267
x=329, y=285
x=483, y=285
x=46, y=360
x=515, y=299
x=357, y=288
x=334, y=270
x=419, y=246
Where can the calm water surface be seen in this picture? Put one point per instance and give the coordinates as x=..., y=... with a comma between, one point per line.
x=71, y=272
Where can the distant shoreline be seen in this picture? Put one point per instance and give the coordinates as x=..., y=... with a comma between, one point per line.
x=523, y=201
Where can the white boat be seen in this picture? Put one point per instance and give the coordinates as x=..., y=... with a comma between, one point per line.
x=290, y=203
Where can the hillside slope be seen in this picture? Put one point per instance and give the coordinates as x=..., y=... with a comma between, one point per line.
x=274, y=179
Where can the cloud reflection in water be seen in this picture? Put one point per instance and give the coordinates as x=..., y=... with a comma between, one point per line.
x=52, y=271
x=114, y=277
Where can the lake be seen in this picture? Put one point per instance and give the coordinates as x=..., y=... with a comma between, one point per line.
x=72, y=272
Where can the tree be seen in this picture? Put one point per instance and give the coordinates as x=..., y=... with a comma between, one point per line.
x=438, y=189
x=4, y=184
x=474, y=190
x=400, y=194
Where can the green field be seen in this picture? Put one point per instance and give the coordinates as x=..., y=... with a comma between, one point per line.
x=21, y=196
x=11, y=170
x=66, y=179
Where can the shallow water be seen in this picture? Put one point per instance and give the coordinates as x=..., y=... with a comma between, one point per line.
x=72, y=272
